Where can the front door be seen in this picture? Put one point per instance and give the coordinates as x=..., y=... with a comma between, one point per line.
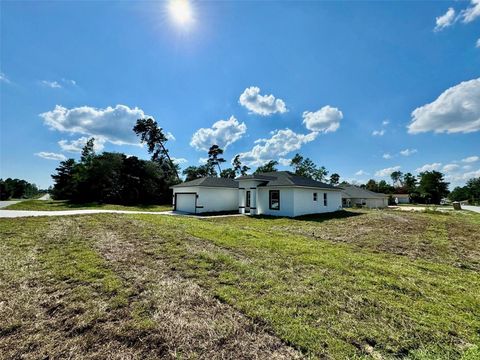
x=247, y=201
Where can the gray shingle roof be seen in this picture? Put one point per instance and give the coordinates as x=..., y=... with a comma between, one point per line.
x=286, y=178
x=210, y=182
x=356, y=192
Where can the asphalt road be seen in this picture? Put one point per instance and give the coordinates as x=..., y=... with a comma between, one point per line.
x=6, y=203
x=471, y=208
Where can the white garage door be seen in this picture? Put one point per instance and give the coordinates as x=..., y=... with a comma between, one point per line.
x=185, y=202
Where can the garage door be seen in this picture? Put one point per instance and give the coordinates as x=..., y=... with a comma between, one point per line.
x=185, y=202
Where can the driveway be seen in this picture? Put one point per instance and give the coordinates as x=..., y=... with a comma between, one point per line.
x=471, y=208
x=7, y=203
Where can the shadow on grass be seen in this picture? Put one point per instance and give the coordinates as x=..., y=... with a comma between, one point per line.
x=341, y=214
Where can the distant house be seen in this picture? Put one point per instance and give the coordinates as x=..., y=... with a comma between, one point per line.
x=401, y=198
x=356, y=196
x=275, y=193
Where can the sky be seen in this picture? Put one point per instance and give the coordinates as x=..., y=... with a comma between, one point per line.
x=362, y=88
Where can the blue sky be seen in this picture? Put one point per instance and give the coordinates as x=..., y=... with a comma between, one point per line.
x=362, y=88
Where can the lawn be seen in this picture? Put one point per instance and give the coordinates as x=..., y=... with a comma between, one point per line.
x=51, y=205
x=357, y=284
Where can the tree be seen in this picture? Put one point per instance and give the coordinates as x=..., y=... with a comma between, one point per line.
x=334, y=179
x=385, y=188
x=238, y=167
x=432, y=187
x=409, y=182
x=268, y=167
x=214, y=157
x=196, y=172
x=397, y=178
x=228, y=173
x=152, y=135
x=371, y=185
x=64, y=179
x=88, y=151
x=306, y=167
x=459, y=194
x=473, y=186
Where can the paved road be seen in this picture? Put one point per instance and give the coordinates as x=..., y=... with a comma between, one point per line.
x=45, y=197
x=471, y=208
x=6, y=203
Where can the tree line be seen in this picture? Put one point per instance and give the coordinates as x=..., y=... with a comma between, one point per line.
x=18, y=189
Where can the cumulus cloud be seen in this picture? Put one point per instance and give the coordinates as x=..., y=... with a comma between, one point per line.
x=261, y=104
x=325, y=120
x=170, y=136
x=278, y=145
x=284, y=162
x=378, y=132
x=76, y=146
x=450, y=167
x=179, y=161
x=428, y=167
x=387, y=171
x=114, y=124
x=472, y=12
x=51, y=156
x=459, y=177
x=408, y=152
x=361, y=173
x=387, y=156
x=445, y=20
x=471, y=159
x=385, y=122
x=478, y=43
x=222, y=133
x=457, y=109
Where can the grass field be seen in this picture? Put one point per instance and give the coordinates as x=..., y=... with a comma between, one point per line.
x=357, y=284
x=51, y=205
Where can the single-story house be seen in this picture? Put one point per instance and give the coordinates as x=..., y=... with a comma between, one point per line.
x=275, y=193
x=356, y=196
x=401, y=198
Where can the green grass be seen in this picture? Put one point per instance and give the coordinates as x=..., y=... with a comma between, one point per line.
x=51, y=205
x=357, y=284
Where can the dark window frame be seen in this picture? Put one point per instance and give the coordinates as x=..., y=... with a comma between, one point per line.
x=325, y=201
x=270, y=199
x=315, y=196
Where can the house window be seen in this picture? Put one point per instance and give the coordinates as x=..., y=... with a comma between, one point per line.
x=248, y=199
x=274, y=197
x=314, y=196
x=324, y=199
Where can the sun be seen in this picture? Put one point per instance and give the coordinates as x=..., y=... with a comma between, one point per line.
x=181, y=12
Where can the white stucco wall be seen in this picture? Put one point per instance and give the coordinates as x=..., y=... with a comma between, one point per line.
x=212, y=199
x=304, y=204
x=370, y=203
x=286, y=202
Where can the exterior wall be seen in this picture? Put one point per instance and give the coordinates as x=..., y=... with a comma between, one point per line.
x=402, y=199
x=212, y=199
x=243, y=187
x=369, y=203
x=286, y=201
x=304, y=204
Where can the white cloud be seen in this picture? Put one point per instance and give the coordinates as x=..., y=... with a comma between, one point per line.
x=459, y=178
x=222, y=133
x=472, y=12
x=387, y=171
x=327, y=119
x=170, y=136
x=179, y=161
x=284, y=162
x=280, y=144
x=4, y=78
x=261, y=104
x=51, y=156
x=457, y=109
x=445, y=20
x=387, y=156
x=428, y=167
x=450, y=167
x=202, y=160
x=478, y=43
x=361, y=173
x=378, y=132
x=408, y=152
x=385, y=122
x=466, y=167
x=114, y=124
x=471, y=159
x=51, y=84
x=76, y=146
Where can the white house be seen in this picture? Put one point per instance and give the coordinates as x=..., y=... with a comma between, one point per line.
x=401, y=198
x=356, y=196
x=276, y=193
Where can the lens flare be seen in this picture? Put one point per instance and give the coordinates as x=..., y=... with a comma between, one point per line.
x=181, y=12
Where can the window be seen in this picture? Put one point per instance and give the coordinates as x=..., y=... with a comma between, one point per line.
x=314, y=196
x=324, y=199
x=274, y=197
x=248, y=199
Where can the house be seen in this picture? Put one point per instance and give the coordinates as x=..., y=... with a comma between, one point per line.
x=356, y=196
x=276, y=193
x=401, y=198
